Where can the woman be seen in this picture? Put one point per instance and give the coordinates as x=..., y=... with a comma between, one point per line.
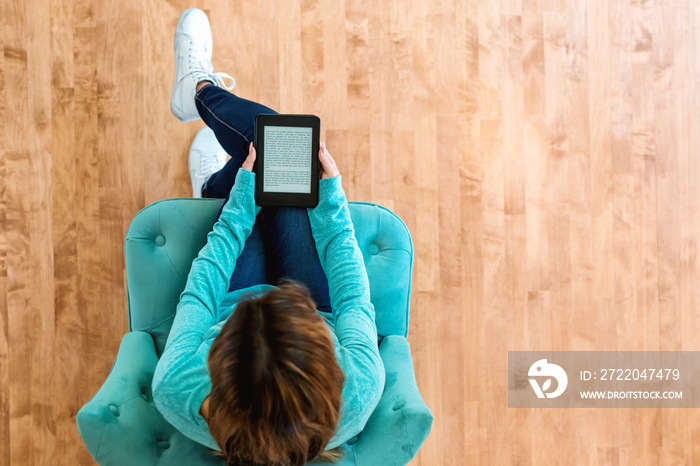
x=274, y=375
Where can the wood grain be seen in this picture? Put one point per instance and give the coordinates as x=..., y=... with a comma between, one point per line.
x=543, y=153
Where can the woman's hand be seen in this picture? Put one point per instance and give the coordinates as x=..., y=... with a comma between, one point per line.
x=248, y=164
x=328, y=167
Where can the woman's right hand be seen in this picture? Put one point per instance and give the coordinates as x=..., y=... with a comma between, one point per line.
x=328, y=167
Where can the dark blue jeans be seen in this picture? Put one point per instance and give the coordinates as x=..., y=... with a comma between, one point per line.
x=280, y=244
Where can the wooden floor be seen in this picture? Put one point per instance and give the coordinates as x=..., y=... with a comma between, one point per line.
x=543, y=153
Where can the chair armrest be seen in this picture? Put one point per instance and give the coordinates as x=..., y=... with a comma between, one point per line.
x=121, y=425
x=401, y=422
x=387, y=250
x=128, y=381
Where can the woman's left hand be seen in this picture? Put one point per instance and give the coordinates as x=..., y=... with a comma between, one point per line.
x=248, y=164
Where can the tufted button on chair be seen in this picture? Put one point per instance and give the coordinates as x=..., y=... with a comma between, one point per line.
x=121, y=426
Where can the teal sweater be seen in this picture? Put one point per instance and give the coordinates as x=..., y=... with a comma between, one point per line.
x=181, y=380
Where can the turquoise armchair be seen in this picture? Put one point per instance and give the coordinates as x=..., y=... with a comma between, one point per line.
x=121, y=426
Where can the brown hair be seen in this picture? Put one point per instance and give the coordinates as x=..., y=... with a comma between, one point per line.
x=276, y=383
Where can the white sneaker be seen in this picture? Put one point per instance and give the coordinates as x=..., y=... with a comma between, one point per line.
x=206, y=158
x=193, y=44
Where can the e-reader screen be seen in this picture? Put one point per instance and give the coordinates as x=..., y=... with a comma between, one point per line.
x=287, y=164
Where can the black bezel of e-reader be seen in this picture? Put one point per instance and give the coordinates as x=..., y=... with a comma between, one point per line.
x=281, y=198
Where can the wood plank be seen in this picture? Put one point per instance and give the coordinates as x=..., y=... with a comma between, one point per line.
x=88, y=332
x=70, y=327
x=4, y=316
x=23, y=318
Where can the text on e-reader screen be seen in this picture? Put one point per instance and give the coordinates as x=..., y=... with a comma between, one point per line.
x=287, y=165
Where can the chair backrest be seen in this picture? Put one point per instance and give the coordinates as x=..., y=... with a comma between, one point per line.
x=165, y=237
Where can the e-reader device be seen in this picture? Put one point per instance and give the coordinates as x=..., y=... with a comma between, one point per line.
x=286, y=165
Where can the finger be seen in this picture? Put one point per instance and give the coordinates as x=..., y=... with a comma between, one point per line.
x=324, y=156
x=327, y=155
x=251, y=153
x=250, y=159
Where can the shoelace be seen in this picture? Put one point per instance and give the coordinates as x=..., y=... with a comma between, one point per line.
x=212, y=163
x=204, y=70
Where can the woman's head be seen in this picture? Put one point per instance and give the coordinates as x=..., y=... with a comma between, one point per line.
x=276, y=384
